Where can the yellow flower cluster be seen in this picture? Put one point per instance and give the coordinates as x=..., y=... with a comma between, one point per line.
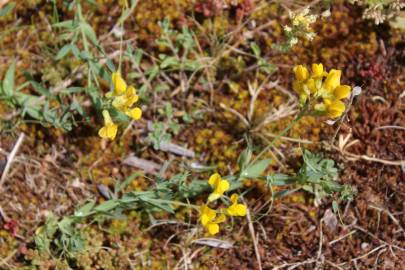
x=124, y=97
x=211, y=218
x=321, y=88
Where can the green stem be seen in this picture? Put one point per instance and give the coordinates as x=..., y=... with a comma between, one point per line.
x=176, y=203
x=85, y=43
x=281, y=134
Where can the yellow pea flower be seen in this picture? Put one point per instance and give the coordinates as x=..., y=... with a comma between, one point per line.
x=120, y=86
x=135, y=113
x=332, y=80
x=209, y=219
x=311, y=84
x=301, y=73
x=125, y=101
x=342, y=91
x=317, y=70
x=298, y=87
x=236, y=209
x=334, y=109
x=110, y=129
x=131, y=95
x=219, y=186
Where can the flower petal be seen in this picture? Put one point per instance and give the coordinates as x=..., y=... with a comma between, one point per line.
x=332, y=80
x=135, y=113
x=234, y=198
x=223, y=186
x=317, y=70
x=214, y=196
x=336, y=109
x=212, y=228
x=221, y=218
x=119, y=83
x=342, y=91
x=103, y=133
x=301, y=73
x=214, y=179
x=240, y=210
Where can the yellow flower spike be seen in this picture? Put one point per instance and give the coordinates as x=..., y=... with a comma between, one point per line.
x=110, y=129
x=209, y=219
x=135, y=113
x=120, y=102
x=236, y=209
x=301, y=73
x=311, y=86
x=131, y=96
x=332, y=80
x=206, y=214
x=317, y=70
x=298, y=87
x=120, y=86
x=335, y=108
x=342, y=91
x=123, y=102
x=219, y=186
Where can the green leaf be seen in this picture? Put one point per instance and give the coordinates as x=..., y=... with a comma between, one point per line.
x=69, y=24
x=8, y=82
x=89, y=32
x=40, y=89
x=5, y=10
x=280, y=179
x=244, y=158
x=75, y=51
x=335, y=207
x=255, y=170
x=138, y=57
x=119, y=186
x=255, y=49
x=164, y=206
x=65, y=225
x=85, y=210
x=169, y=61
x=107, y=206
x=63, y=51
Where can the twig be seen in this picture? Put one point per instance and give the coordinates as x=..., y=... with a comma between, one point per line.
x=294, y=265
x=10, y=158
x=252, y=232
x=341, y=238
x=393, y=127
x=365, y=255
x=391, y=216
x=6, y=259
x=236, y=113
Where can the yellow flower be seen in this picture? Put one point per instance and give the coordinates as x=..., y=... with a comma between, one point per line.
x=236, y=209
x=120, y=86
x=342, y=92
x=301, y=73
x=334, y=109
x=135, y=113
x=311, y=84
x=317, y=70
x=219, y=186
x=110, y=129
x=209, y=219
x=298, y=87
x=332, y=80
x=125, y=101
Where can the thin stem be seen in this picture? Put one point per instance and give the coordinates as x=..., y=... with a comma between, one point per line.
x=121, y=25
x=176, y=203
x=85, y=44
x=281, y=134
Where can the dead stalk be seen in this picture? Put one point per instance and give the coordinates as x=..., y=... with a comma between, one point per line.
x=10, y=158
